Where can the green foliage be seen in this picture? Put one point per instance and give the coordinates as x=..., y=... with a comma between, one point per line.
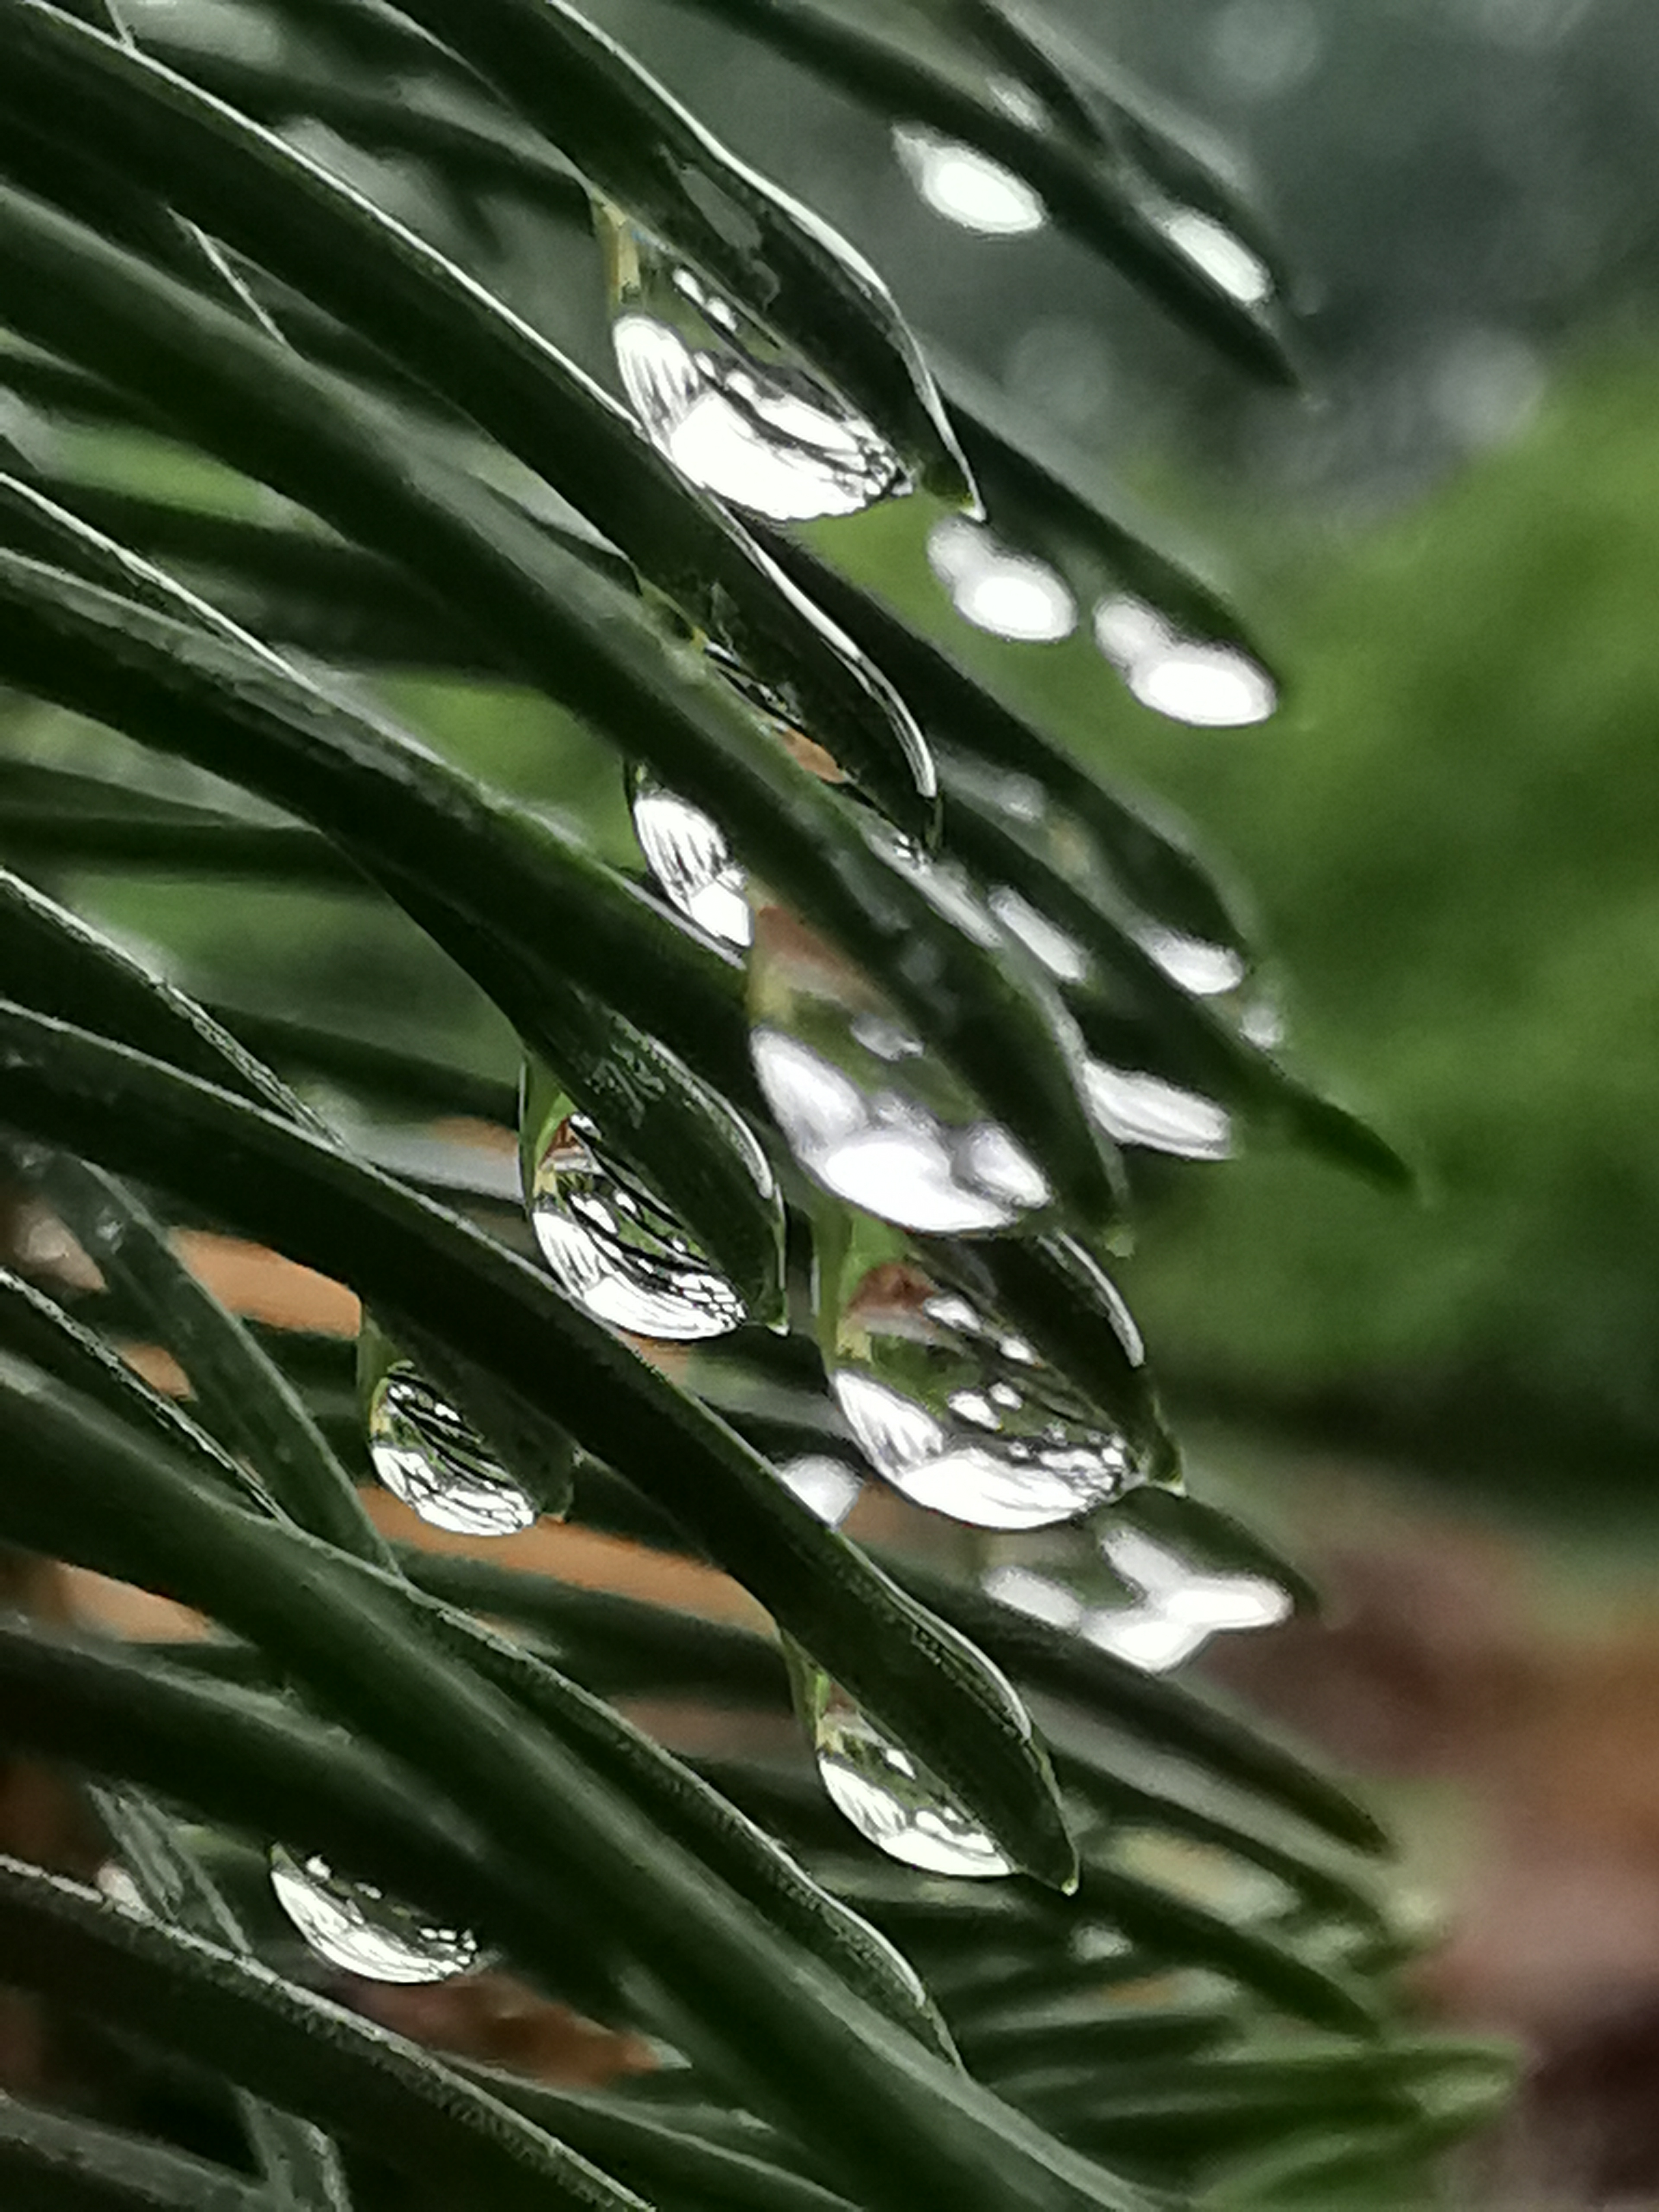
x=319, y=539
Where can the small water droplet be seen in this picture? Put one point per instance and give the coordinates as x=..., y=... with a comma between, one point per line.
x=966, y=186
x=119, y=1888
x=615, y=1250
x=867, y=1113
x=893, y=1800
x=1182, y=1605
x=1059, y=952
x=1039, y=1596
x=733, y=409
x=958, y=1423
x=827, y=1487
x=688, y=854
x=427, y=1456
x=357, y=1928
x=1262, y=1025
x=1208, y=971
x=1211, y=684
x=1220, y=253
x=1137, y=1109
x=1011, y=594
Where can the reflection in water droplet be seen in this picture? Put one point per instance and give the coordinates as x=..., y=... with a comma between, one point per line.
x=966, y=186
x=616, y=1250
x=892, y=1799
x=1010, y=594
x=428, y=1457
x=826, y=1486
x=1205, y=970
x=731, y=409
x=362, y=1931
x=961, y=1416
x=1137, y=1109
x=1221, y=254
x=1181, y=1606
x=864, y=1111
x=1210, y=685
x=689, y=856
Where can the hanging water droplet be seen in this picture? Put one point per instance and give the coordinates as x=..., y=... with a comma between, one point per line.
x=966, y=186
x=428, y=1455
x=1181, y=1606
x=825, y=1486
x=893, y=1800
x=958, y=1413
x=357, y=1928
x=1134, y=1108
x=865, y=1109
x=615, y=1250
x=1010, y=594
x=688, y=854
x=732, y=409
x=1202, y=681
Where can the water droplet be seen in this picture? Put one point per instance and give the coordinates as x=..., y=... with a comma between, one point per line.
x=733, y=410
x=865, y=1109
x=1262, y=1025
x=1209, y=685
x=1059, y=953
x=1181, y=1606
x=117, y=1886
x=1206, y=970
x=826, y=1486
x=427, y=1456
x=689, y=856
x=893, y=1800
x=1040, y=1596
x=1010, y=594
x=966, y=186
x=1137, y=1109
x=961, y=1416
x=1220, y=253
x=615, y=1250
x=362, y=1931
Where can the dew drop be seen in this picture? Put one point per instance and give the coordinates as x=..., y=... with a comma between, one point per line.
x=966, y=186
x=893, y=1800
x=826, y=1486
x=1040, y=1596
x=615, y=1250
x=1198, y=680
x=734, y=412
x=1137, y=1109
x=1207, y=970
x=1219, y=253
x=1010, y=594
x=688, y=854
x=428, y=1457
x=357, y=1928
x=1057, y=951
x=867, y=1113
x=961, y=1416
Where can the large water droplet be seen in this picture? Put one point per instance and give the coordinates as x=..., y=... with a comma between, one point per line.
x=733, y=410
x=1198, y=680
x=865, y=1111
x=357, y=1928
x=1182, y=1605
x=1137, y=1109
x=966, y=186
x=893, y=1800
x=1010, y=594
x=688, y=854
x=428, y=1457
x=615, y=1250
x=957, y=1412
